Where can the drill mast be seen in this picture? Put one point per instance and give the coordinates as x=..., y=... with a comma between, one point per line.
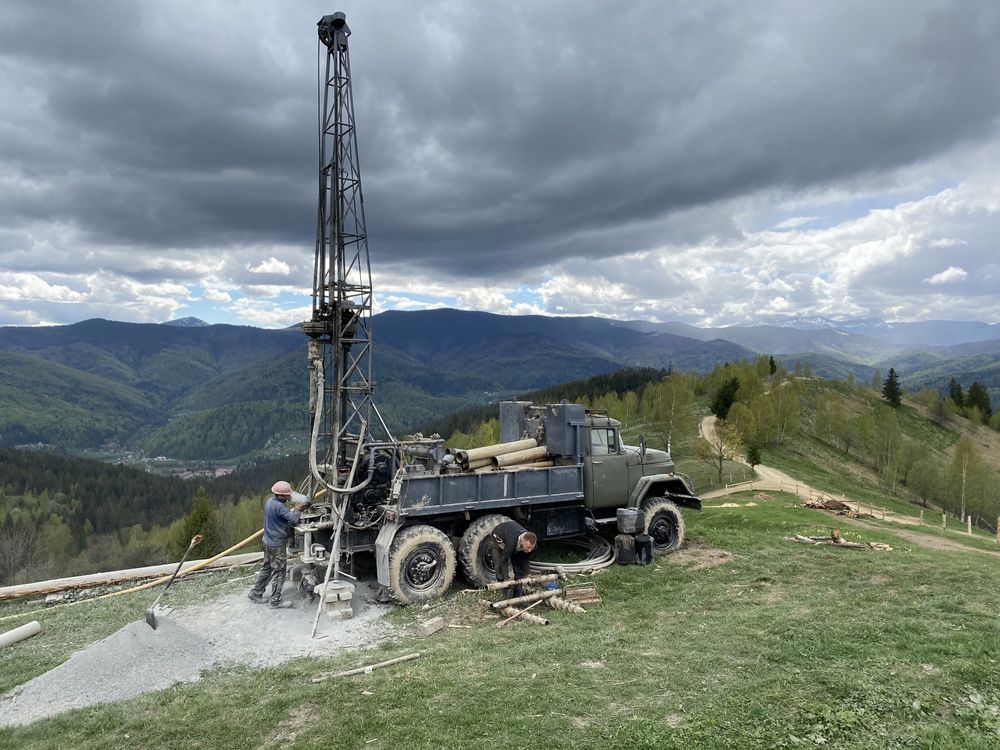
x=340, y=403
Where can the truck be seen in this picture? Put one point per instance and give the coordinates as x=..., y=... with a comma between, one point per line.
x=424, y=515
x=419, y=509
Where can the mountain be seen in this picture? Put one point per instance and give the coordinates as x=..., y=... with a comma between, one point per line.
x=926, y=333
x=224, y=392
x=186, y=323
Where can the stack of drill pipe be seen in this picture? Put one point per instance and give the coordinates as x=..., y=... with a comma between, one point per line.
x=557, y=602
x=522, y=615
x=526, y=456
x=480, y=459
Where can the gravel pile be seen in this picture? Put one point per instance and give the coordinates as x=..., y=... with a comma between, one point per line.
x=228, y=630
x=133, y=661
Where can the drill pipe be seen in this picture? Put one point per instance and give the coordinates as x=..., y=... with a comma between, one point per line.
x=527, y=599
x=529, y=581
x=511, y=611
x=489, y=451
x=521, y=457
x=557, y=602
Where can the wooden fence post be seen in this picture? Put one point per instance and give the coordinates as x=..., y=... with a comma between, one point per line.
x=921, y=518
x=968, y=520
x=998, y=529
x=944, y=520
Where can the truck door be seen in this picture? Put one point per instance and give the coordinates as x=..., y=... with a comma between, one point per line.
x=607, y=480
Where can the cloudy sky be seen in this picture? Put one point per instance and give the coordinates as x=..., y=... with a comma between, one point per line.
x=712, y=162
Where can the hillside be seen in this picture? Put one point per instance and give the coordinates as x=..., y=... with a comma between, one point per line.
x=171, y=389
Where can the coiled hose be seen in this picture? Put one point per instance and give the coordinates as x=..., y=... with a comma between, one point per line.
x=601, y=555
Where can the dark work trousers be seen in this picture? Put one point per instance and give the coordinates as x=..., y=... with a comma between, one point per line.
x=273, y=569
x=513, y=566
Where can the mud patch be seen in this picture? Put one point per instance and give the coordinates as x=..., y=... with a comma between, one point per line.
x=289, y=729
x=700, y=557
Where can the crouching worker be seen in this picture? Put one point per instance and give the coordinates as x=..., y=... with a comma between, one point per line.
x=278, y=523
x=513, y=546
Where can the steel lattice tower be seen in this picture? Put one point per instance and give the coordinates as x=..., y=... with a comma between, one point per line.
x=340, y=329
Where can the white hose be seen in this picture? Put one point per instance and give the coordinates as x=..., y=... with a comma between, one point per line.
x=602, y=555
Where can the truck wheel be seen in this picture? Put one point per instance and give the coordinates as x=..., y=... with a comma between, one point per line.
x=421, y=564
x=475, y=553
x=664, y=524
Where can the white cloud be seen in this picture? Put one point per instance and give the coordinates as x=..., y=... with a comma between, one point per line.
x=794, y=222
x=271, y=265
x=216, y=295
x=946, y=242
x=947, y=276
x=269, y=315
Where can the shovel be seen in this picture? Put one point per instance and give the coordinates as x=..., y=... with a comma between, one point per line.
x=151, y=613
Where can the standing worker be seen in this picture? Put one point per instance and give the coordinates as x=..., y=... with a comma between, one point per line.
x=513, y=546
x=278, y=522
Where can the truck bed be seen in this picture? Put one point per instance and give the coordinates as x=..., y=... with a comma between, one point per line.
x=457, y=493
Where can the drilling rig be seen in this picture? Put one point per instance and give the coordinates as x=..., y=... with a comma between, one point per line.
x=421, y=510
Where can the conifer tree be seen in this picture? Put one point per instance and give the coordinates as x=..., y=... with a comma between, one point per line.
x=891, y=391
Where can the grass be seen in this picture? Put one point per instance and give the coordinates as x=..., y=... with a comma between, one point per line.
x=783, y=646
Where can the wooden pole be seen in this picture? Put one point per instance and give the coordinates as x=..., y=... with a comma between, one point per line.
x=944, y=520
x=998, y=529
x=365, y=670
x=968, y=524
x=921, y=518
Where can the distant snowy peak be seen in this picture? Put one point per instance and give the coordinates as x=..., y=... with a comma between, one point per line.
x=187, y=323
x=819, y=323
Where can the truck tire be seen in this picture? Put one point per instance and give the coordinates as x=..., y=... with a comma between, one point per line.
x=664, y=524
x=475, y=553
x=421, y=564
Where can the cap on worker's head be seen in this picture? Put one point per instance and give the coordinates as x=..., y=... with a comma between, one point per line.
x=281, y=488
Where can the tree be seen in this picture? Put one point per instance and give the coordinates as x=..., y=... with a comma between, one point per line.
x=966, y=470
x=891, y=391
x=876, y=381
x=955, y=393
x=722, y=444
x=671, y=407
x=753, y=455
x=979, y=397
x=201, y=519
x=724, y=397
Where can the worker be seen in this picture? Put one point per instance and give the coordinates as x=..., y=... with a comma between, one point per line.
x=513, y=546
x=278, y=523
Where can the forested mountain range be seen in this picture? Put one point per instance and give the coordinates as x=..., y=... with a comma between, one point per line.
x=218, y=392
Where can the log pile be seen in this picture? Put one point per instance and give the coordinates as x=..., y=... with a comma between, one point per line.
x=519, y=454
x=836, y=540
x=827, y=503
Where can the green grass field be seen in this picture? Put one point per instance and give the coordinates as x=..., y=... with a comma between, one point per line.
x=781, y=645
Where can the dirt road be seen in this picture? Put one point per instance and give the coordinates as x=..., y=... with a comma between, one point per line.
x=774, y=480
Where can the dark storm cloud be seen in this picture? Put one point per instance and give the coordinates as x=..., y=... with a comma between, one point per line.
x=498, y=135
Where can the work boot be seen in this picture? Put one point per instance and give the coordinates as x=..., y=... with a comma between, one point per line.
x=281, y=605
x=255, y=598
